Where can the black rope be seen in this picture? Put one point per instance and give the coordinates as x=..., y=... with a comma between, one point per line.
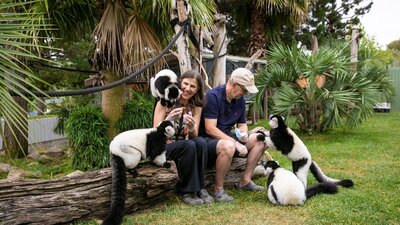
x=68, y=69
x=189, y=30
x=100, y=88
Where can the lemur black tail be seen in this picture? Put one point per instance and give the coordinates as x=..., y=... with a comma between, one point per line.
x=324, y=187
x=118, y=192
x=321, y=177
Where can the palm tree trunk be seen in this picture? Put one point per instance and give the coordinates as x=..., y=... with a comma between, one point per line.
x=220, y=47
x=41, y=106
x=257, y=29
x=112, y=102
x=16, y=137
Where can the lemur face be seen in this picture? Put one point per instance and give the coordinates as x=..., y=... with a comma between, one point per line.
x=270, y=166
x=273, y=122
x=168, y=127
x=276, y=121
x=172, y=93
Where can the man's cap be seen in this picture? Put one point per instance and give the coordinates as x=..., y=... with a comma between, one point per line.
x=245, y=78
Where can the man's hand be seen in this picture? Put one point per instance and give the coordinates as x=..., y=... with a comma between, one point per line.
x=241, y=149
x=242, y=136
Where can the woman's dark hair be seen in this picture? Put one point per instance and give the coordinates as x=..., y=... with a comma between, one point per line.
x=196, y=99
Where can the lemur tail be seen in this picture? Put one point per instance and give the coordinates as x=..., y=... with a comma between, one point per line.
x=321, y=177
x=118, y=191
x=324, y=187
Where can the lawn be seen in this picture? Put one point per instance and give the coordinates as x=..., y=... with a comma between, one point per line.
x=368, y=154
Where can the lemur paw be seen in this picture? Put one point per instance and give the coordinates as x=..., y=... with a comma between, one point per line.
x=167, y=165
x=133, y=172
x=260, y=136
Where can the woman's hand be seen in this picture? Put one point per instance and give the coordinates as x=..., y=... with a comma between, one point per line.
x=189, y=121
x=174, y=115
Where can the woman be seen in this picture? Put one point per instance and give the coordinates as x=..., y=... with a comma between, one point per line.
x=188, y=151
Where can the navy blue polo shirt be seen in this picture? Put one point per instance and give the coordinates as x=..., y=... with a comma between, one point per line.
x=227, y=113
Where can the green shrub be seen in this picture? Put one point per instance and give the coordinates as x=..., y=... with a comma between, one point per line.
x=62, y=110
x=86, y=130
x=138, y=113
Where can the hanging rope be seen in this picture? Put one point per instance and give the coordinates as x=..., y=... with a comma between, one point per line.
x=101, y=88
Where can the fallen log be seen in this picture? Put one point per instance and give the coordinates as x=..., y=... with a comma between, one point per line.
x=87, y=196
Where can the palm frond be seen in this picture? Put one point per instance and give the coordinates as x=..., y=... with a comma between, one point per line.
x=141, y=45
x=109, y=32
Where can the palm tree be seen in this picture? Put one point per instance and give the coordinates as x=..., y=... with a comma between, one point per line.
x=320, y=90
x=127, y=35
x=18, y=43
x=264, y=19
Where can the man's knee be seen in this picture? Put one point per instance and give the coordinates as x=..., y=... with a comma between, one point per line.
x=226, y=147
x=255, y=144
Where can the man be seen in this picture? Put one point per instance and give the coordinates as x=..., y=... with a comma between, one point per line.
x=225, y=107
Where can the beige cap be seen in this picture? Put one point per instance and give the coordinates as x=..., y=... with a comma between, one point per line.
x=244, y=77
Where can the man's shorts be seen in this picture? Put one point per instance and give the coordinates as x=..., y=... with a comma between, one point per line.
x=212, y=149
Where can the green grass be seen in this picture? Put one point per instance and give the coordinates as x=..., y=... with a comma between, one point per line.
x=47, y=168
x=368, y=154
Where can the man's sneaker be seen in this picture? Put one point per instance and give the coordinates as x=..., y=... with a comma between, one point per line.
x=203, y=194
x=251, y=186
x=222, y=196
x=192, y=199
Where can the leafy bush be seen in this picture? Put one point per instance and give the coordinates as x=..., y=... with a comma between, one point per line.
x=323, y=90
x=86, y=129
x=62, y=110
x=138, y=113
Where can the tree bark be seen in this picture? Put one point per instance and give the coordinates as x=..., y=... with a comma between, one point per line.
x=87, y=196
x=182, y=42
x=220, y=47
x=354, y=49
x=16, y=136
x=257, y=29
x=112, y=102
x=314, y=44
x=41, y=106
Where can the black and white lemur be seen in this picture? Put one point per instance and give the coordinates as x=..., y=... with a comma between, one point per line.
x=283, y=139
x=285, y=188
x=165, y=87
x=126, y=150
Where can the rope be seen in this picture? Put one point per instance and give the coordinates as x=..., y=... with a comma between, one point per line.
x=68, y=69
x=100, y=88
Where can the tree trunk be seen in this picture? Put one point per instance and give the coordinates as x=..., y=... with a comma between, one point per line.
x=220, y=47
x=16, y=136
x=354, y=49
x=112, y=102
x=314, y=44
x=87, y=196
x=257, y=29
x=41, y=106
x=182, y=42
